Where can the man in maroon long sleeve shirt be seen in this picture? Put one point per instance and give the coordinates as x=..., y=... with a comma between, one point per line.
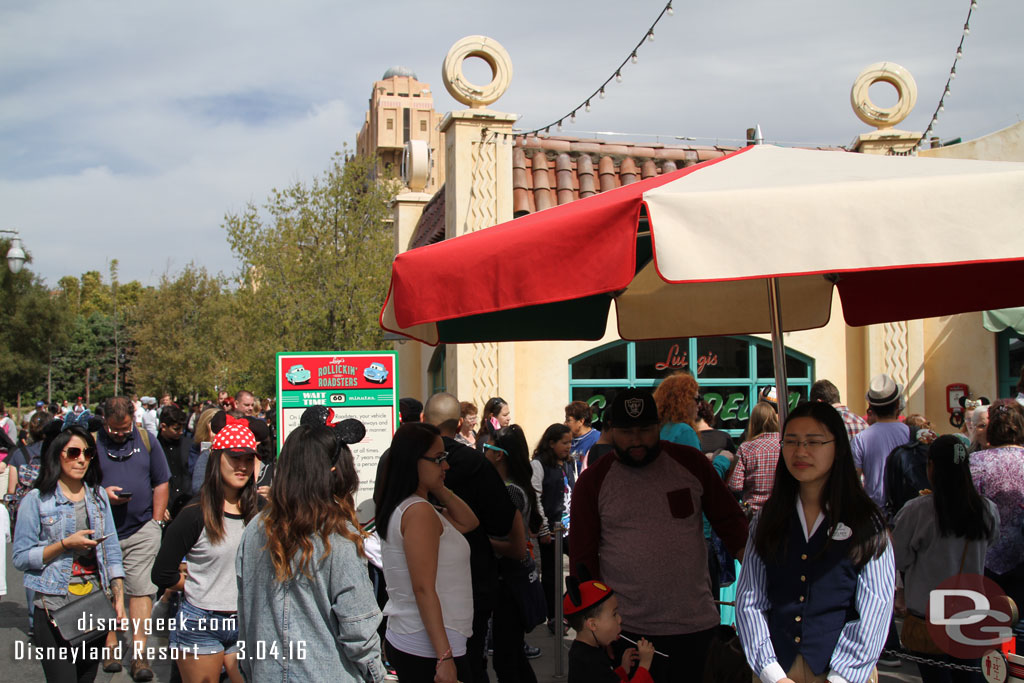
x=636, y=525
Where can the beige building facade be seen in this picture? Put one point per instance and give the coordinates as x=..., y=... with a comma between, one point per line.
x=491, y=176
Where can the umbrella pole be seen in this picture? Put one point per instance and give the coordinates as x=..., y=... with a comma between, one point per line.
x=778, y=348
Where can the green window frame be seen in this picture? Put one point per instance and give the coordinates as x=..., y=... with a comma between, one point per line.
x=436, y=369
x=730, y=394
x=1009, y=361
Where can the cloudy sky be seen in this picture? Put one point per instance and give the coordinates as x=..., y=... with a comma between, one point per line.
x=128, y=130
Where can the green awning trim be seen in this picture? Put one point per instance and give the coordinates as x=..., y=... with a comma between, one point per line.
x=1001, y=319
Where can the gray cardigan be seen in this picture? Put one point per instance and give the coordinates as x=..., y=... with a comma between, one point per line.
x=319, y=629
x=927, y=558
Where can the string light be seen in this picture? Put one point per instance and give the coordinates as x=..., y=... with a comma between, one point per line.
x=941, y=106
x=631, y=57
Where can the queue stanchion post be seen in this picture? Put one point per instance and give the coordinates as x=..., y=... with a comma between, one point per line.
x=557, y=585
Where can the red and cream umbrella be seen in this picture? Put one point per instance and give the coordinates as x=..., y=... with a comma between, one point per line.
x=754, y=242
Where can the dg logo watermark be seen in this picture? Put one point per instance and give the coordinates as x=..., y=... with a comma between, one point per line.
x=968, y=615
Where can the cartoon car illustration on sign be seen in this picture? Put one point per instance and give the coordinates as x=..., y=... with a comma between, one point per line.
x=297, y=374
x=375, y=373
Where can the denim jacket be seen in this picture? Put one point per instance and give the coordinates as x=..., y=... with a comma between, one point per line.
x=332, y=617
x=47, y=518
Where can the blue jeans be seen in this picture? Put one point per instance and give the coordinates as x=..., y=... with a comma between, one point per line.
x=204, y=632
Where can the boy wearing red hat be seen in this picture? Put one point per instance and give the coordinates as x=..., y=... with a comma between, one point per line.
x=593, y=612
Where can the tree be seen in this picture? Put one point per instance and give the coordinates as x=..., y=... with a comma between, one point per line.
x=184, y=332
x=314, y=269
x=33, y=325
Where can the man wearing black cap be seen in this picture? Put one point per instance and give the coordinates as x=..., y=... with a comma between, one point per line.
x=636, y=524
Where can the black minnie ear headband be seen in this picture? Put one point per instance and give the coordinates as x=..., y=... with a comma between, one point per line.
x=347, y=431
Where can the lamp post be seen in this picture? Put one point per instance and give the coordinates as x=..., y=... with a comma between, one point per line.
x=15, y=262
x=15, y=255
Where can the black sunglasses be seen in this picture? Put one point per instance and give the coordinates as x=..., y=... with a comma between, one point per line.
x=73, y=452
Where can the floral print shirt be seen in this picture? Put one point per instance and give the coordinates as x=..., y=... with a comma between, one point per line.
x=998, y=474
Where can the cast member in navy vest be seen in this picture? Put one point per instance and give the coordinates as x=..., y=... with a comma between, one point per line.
x=815, y=593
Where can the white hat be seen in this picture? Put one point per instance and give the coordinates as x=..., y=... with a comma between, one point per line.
x=883, y=390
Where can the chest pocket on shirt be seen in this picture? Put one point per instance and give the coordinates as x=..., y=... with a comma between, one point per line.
x=680, y=503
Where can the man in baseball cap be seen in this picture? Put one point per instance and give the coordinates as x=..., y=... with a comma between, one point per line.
x=636, y=524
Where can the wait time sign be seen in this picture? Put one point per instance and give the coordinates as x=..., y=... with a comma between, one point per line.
x=357, y=384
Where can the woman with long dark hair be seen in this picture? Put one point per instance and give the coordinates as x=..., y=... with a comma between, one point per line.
x=426, y=561
x=549, y=472
x=941, y=535
x=497, y=415
x=510, y=455
x=66, y=543
x=818, y=556
x=206, y=533
x=304, y=591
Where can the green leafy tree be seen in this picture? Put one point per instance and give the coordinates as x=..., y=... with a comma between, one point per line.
x=184, y=334
x=33, y=325
x=85, y=367
x=314, y=267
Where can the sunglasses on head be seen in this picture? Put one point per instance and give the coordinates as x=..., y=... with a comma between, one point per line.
x=73, y=452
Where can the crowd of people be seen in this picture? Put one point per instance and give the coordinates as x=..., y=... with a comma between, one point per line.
x=841, y=522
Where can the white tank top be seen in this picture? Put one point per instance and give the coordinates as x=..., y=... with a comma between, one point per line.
x=453, y=584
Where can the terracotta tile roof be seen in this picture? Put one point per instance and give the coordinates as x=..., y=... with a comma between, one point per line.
x=551, y=171
x=430, y=226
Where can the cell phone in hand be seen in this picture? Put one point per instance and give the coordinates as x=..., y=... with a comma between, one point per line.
x=124, y=494
x=103, y=538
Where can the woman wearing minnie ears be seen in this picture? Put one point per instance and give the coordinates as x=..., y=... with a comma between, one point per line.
x=815, y=593
x=593, y=612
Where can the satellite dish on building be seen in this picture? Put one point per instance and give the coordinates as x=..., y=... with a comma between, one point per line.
x=417, y=161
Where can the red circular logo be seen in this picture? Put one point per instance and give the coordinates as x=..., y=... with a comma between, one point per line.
x=968, y=615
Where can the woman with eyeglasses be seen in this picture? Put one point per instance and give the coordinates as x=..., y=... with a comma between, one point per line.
x=426, y=561
x=816, y=589
x=66, y=543
x=207, y=533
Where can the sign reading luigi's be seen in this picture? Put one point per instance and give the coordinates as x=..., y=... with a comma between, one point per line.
x=353, y=384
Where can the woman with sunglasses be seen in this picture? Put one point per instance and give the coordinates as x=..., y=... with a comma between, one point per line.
x=426, y=561
x=65, y=542
x=815, y=593
x=206, y=533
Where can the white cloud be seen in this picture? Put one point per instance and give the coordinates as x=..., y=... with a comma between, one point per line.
x=127, y=130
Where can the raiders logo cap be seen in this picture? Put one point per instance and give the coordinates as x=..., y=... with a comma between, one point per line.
x=633, y=408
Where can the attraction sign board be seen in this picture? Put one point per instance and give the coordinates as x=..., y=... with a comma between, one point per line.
x=357, y=384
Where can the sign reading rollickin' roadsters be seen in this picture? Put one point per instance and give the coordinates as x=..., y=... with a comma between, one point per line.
x=359, y=384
